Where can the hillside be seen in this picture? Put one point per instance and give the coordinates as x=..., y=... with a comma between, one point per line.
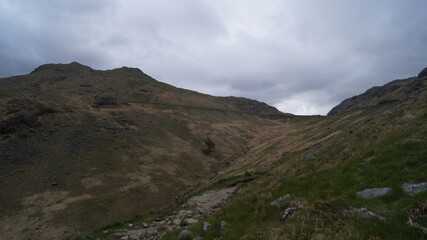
x=81, y=149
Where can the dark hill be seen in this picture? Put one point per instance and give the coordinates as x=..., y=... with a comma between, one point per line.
x=395, y=92
x=118, y=142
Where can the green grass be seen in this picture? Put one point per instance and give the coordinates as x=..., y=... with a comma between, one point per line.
x=388, y=162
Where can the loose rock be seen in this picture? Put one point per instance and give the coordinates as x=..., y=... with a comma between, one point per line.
x=414, y=189
x=290, y=212
x=281, y=200
x=206, y=226
x=176, y=221
x=197, y=238
x=191, y=220
x=184, y=233
x=374, y=192
x=361, y=212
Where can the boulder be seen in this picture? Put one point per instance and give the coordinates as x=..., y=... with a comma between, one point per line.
x=374, y=192
x=361, y=212
x=414, y=189
x=281, y=200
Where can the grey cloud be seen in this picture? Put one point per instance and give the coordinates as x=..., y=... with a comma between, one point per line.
x=305, y=56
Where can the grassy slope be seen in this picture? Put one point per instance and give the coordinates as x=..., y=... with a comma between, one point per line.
x=385, y=150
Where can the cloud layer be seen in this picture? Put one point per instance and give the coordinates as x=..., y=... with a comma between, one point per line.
x=303, y=57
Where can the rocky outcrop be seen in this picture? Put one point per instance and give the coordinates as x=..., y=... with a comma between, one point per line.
x=374, y=192
x=414, y=189
x=290, y=212
x=362, y=212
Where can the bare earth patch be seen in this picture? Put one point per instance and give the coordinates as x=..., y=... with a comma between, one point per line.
x=35, y=221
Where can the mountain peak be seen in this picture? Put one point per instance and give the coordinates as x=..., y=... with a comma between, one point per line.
x=59, y=67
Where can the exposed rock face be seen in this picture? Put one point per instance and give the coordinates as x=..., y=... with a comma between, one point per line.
x=374, y=192
x=281, y=200
x=414, y=189
x=361, y=212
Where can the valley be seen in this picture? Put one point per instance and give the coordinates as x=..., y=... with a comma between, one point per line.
x=88, y=154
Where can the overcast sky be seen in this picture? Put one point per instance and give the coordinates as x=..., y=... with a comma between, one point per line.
x=303, y=57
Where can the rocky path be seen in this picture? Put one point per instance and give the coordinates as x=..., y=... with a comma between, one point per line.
x=192, y=211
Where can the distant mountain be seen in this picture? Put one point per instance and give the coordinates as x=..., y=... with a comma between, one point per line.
x=122, y=86
x=395, y=92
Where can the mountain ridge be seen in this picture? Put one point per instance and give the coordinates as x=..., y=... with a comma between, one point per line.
x=390, y=93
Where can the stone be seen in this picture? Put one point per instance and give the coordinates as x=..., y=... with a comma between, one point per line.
x=289, y=212
x=361, y=212
x=191, y=220
x=222, y=226
x=176, y=221
x=374, y=192
x=414, y=189
x=281, y=200
x=197, y=238
x=130, y=225
x=206, y=226
x=184, y=233
x=144, y=225
x=124, y=238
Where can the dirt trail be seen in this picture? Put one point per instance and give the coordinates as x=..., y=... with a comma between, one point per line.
x=191, y=212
